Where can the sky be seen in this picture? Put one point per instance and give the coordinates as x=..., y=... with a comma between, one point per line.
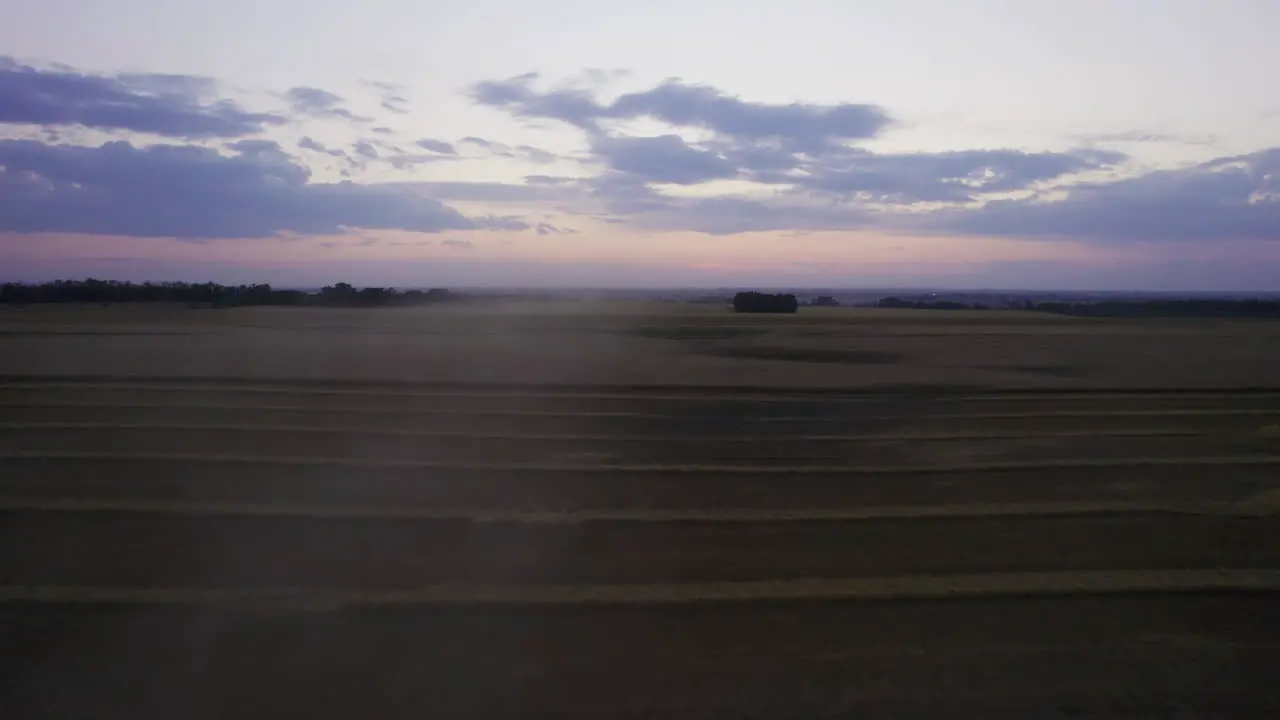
x=1033, y=144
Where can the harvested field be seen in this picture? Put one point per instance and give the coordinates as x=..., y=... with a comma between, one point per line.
x=633, y=510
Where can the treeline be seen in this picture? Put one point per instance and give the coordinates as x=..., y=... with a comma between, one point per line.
x=1114, y=308
x=757, y=302
x=893, y=302
x=211, y=294
x=1165, y=308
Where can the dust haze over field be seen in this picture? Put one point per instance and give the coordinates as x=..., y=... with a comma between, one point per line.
x=584, y=508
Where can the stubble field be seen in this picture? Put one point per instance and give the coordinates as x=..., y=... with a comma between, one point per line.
x=636, y=509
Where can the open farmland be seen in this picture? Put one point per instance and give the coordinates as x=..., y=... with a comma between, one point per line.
x=639, y=510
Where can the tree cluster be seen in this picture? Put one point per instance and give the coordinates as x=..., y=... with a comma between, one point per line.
x=344, y=295
x=757, y=302
x=895, y=302
x=210, y=294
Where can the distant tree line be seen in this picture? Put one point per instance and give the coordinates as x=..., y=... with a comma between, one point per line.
x=1115, y=308
x=894, y=302
x=757, y=302
x=344, y=295
x=211, y=294
x=1165, y=308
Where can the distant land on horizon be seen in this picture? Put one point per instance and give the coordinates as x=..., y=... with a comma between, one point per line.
x=845, y=295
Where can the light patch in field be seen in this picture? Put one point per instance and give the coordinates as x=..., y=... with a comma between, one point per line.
x=1266, y=502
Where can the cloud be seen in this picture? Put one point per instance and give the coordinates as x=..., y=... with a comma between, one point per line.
x=960, y=176
x=847, y=174
x=498, y=192
x=306, y=143
x=319, y=103
x=799, y=147
x=803, y=124
x=266, y=150
x=731, y=215
x=619, y=198
x=437, y=146
x=812, y=176
x=167, y=105
x=195, y=193
x=1141, y=136
x=662, y=159
x=573, y=106
x=366, y=150
x=796, y=125
x=536, y=155
x=398, y=157
x=549, y=180
x=402, y=161
x=802, y=161
x=168, y=84
x=460, y=244
x=502, y=222
x=1231, y=198
x=549, y=229
x=391, y=95
x=528, y=153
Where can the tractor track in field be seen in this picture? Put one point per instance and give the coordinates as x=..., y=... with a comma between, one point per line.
x=668, y=550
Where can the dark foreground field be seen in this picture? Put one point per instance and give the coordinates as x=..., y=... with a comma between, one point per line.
x=989, y=541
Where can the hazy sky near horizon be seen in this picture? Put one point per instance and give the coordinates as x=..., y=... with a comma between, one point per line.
x=1091, y=144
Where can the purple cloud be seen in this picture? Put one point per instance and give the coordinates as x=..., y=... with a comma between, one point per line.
x=320, y=103
x=1231, y=198
x=796, y=125
x=306, y=143
x=572, y=106
x=800, y=147
x=1142, y=136
x=436, y=146
x=366, y=150
x=548, y=180
x=167, y=105
x=549, y=229
x=959, y=176
x=390, y=94
x=662, y=159
x=196, y=193
x=843, y=174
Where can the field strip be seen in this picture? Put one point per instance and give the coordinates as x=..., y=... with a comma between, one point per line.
x=571, y=517
x=664, y=393
x=889, y=588
x=1226, y=460
x=312, y=409
x=699, y=439
x=453, y=412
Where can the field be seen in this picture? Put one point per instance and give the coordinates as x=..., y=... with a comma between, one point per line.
x=636, y=510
